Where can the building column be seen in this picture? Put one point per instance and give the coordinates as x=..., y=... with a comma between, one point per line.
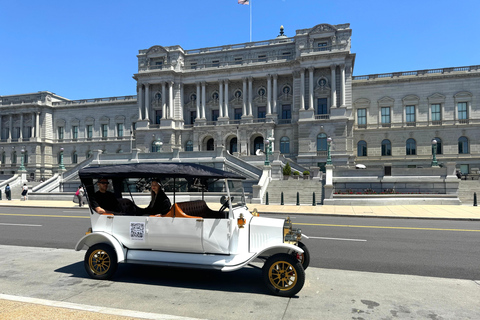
x=182, y=101
x=37, y=125
x=170, y=99
x=198, y=115
x=139, y=101
x=1, y=118
x=334, y=86
x=164, y=102
x=226, y=99
x=32, y=132
x=20, y=137
x=310, y=88
x=342, y=84
x=220, y=98
x=11, y=128
x=275, y=93
x=147, y=101
x=250, y=95
x=244, y=97
x=269, y=94
x=203, y=99
x=302, y=89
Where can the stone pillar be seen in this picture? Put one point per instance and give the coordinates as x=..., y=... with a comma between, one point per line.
x=250, y=95
x=37, y=125
x=203, y=99
x=198, y=101
x=269, y=94
x=182, y=101
x=275, y=93
x=310, y=88
x=147, y=101
x=334, y=86
x=32, y=133
x=139, y=101
x=10, y=129
x=170, y=99
x=20, y=138
x=302, y=89
x=226, y=99
x=244, y=97
x=220, y=98
x=164, y=102
x=1, y=126
x=342, y=83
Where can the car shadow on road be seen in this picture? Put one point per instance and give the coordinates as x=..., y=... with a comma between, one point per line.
x=246, y=280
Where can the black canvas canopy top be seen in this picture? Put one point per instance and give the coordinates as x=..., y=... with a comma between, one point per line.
x=160, y=170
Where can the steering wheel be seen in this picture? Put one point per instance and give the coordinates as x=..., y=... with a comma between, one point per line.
x=225, y=203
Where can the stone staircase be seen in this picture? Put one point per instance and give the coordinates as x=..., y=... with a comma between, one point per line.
x=466, y=189
x=290, y=187
x=17, y=190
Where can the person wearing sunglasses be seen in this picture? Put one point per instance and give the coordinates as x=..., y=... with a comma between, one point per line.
x=105, y=201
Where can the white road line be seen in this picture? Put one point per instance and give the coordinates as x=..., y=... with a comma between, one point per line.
x=22, y=225
x=340, y=239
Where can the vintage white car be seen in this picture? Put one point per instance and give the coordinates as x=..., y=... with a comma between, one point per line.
x=190, y=235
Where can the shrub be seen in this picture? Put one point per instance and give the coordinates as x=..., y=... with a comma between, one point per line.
x=287, y=170
x=306, y=173
x=296, y=173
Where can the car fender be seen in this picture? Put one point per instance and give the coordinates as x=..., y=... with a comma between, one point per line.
x=102, y=237
x=279, y=248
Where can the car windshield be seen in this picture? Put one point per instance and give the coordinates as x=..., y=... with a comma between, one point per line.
x=235, y=188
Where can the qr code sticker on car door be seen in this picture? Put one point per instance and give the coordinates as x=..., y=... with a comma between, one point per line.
x=137, y=231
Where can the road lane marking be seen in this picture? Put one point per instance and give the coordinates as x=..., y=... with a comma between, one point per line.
x=383, y=227
x=340, y=239
x=18, y=224
x=41, y=215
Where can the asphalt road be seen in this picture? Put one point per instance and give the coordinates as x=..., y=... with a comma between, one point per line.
x=437, y=248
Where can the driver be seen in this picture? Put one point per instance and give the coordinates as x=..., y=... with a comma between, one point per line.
x=105, y=201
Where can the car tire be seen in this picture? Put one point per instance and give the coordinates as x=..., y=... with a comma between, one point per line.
x=304, y=257
x=101, y=261
x=283, y=275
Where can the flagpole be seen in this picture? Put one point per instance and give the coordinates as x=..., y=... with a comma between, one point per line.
x=251, y=20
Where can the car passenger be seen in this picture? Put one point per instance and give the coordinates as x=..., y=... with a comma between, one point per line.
x=105, y=201
x=159, y=203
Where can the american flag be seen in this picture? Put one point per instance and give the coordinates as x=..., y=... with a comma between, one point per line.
x=243, y=1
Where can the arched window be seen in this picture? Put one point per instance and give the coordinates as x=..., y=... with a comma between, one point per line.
x=3, y=158
x=233, y=145
x=362, y=148
x=210, y=145
x=25, y=157
x=463, y=145
x=14, y=157
x=322, y=142
x=284, y=145
x=74, y=157
x=411, y=147
x=386, y=148
x=189, y=145
x=257, y=144
x=439, y=145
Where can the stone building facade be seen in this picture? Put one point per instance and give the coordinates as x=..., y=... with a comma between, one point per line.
x=294, y=91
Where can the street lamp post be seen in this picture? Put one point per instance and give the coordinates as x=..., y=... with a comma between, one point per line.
x=22, y=163
x=434, y=152
x=61, y=165
x=329, y=155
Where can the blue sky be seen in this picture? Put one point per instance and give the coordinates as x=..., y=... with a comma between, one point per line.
x=87, y=49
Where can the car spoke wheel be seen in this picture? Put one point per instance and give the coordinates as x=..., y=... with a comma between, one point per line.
x=304, y=257
x=283, y=275
x=101, y=261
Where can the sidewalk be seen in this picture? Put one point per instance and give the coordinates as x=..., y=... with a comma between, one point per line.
x=462, y=212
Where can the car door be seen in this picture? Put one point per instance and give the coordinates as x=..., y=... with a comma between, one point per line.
x=216, y=235
x=131, y=231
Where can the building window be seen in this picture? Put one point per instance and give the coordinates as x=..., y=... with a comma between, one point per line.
x=385, y=115
x=237, y=113
x=262, y=58
x=261, y=112
x=285, y=145
x=119, y=130
x=464, y=168
x=75, y=132
x=193, y=65
x=60, y=133
x=215, y=115
x=436, y=112
x=411, y=147
x=27, y=132
x=238, y=60
x=410, y=113
x=463, y=145
x=74, y=157
x=322, y=106
x=257, y=144
x=233, y=145
x=322, y=142
x=193, y=116
x=286, y=111
x=386, y=148
x=210, y=144
x=462, y=111
x=189, y=146
x=362, y=148
x=89, y=131
x=216, y=63
x=156, y=147
x=3, y=158
x=104, y=131
x=158, y=116
x=14, y=157
x=362, y=117
x=25, y=157
x=439, y=145
x=322, y=46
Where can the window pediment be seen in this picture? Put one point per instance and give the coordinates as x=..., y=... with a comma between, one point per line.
x=411, y=99
x=362, y=103
x=386, y=102
x=463, y=95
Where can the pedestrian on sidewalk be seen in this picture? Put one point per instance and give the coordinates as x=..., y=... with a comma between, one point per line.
x=8, y=192
x=80, y=193
x=24, y=192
